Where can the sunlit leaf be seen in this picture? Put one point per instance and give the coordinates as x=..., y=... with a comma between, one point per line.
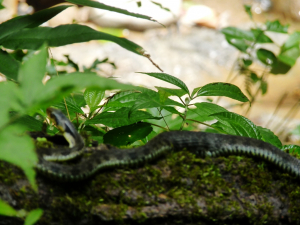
x=223, y=89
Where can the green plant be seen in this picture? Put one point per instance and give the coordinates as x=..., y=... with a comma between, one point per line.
x=134, y=114
x=254, y=46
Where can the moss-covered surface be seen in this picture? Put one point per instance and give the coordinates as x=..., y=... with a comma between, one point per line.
x=177, y=188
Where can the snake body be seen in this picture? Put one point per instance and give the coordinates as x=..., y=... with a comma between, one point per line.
x=200, y=143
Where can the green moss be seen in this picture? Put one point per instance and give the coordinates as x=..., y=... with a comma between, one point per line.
x=180, y=177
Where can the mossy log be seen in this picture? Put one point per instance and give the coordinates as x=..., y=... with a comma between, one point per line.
x=178, y=188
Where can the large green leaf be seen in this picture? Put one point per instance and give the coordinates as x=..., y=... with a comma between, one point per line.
x=241, y=125
x=18, y=148
x=63, y=35
x=99, y=5
x=120, y=118
x=128, y=134
x=170, y=79
x=223, y=89
x=29, y=21
x=31, y=74
x=8, y=65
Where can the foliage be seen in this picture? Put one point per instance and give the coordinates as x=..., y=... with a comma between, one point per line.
x=256, y=45
x=133, y=114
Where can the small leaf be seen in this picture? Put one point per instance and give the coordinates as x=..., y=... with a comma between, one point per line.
x=205, y=109
x=280, y=68
x=248, y=10
x=172, y=92
x=241, y=125
x=120, y=118
x=289, y=56
x=195, y=91
x=33, y=216
x=170, y=79
x=266, y=57
x=93, y=96
x=275, y=26
x=260, y=36
x=263, y=87
x=292, y=148
x=270, y=137
x=126, y=135
x=6, y=210
x=223, y=89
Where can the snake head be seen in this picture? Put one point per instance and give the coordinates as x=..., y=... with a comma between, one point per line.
x=64, y=125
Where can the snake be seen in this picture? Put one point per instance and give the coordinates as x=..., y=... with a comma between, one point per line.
x=202, y=144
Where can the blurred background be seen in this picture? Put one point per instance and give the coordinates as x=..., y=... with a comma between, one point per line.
x=189, y=46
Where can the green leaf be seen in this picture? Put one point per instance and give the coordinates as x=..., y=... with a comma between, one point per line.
x=266, y=57
x=280, y=68
x=172, y=92
x=29, y=21
x=109, y=8
x=9, y=101
x=93, y=96
x=29, y=122
x=263, y=87
x=195, y=91
x=248, y=10
x=205, y=109
x=33, y=216
x=58, y=87
x=292, y=41
x=31, y=74
x=6, y=210
x=18, y=149
x=126, y=135
x=72, y=105
x=170, y=79
x=275, y=26
x=63, y=35
x=291, y=148
x=8, y=65
x=120, y=118
x=151, y=99
x=234, y=32
x=1, y=6
x=241, y=125
x=268, y=136
x=260, y=36
x=223, y=89
x=240, y=44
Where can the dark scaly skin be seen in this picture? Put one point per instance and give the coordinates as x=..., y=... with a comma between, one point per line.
x=199, y=143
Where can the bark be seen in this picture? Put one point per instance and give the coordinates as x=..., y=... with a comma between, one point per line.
x=178, y=188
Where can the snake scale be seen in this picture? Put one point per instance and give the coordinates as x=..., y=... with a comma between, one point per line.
x=200, y=143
